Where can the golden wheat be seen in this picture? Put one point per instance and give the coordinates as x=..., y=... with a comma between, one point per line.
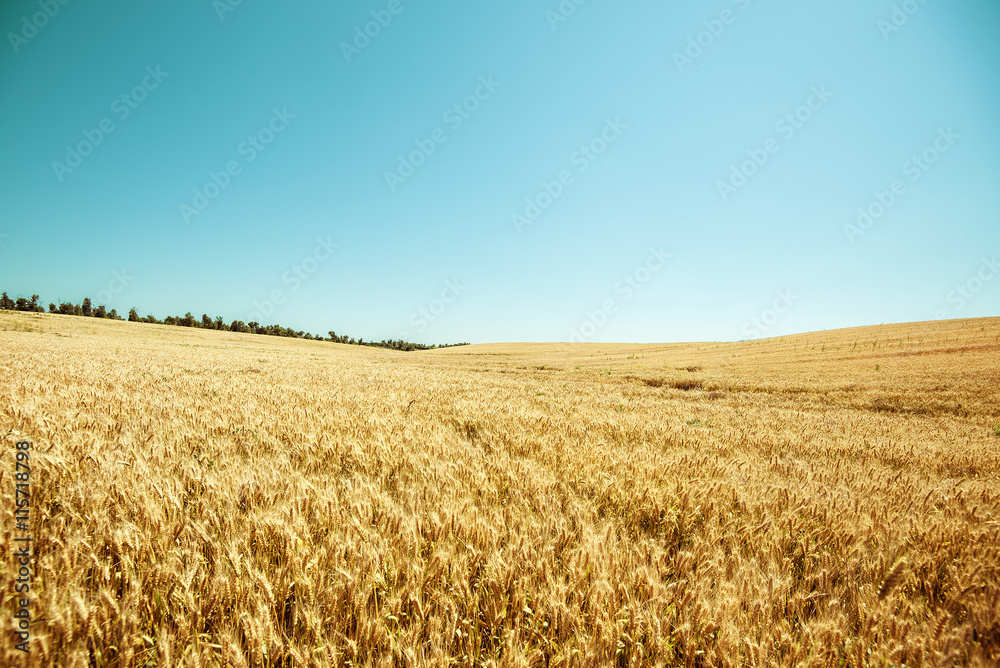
x=207, y=499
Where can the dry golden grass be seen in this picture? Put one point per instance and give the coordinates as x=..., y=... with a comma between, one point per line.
x=210, y=499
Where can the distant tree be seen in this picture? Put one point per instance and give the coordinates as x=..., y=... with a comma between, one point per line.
x=87, y=308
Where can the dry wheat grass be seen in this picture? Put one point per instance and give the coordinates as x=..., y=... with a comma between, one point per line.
x=214, y=499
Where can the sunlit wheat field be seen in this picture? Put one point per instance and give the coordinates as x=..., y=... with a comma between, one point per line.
x=204, y=498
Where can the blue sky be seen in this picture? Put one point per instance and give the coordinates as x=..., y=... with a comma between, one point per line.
x=638, y=171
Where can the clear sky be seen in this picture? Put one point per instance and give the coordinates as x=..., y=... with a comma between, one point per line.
x=509, y=171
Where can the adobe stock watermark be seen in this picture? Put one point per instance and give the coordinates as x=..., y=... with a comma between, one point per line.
x=37, y=21
x=22, y=539
x=965, y=292
x=363, y=35
x=756, y=326
x=714, y=28
x=294, y=277
x=786, y=126
x=119, y=281
x=562, y=13
x=122, y=107
x=454, y=116
x=248, y=149
x=223, y=7
x=435, y=308
x=582, y=158
x=914, y=168
x=899, y=17
x=625, y=289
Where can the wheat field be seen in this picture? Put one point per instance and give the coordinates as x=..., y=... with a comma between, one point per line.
x=203, y=498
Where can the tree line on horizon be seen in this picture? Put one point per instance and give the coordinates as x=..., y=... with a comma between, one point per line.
x=88, y=310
